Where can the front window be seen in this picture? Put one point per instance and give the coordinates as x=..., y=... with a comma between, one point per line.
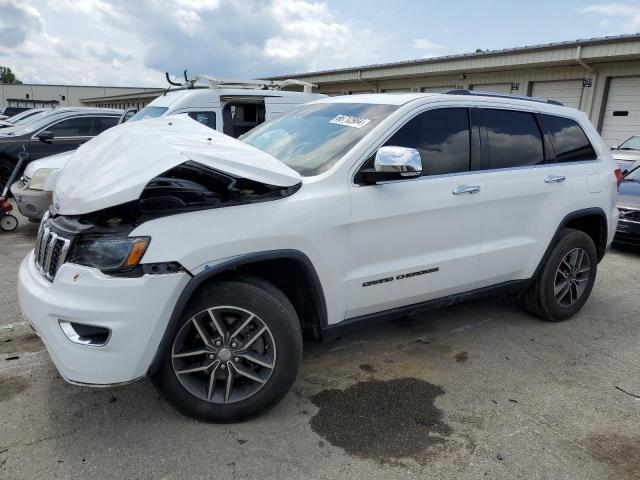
x=312, y=138
x=148, y=112
x=632, y=144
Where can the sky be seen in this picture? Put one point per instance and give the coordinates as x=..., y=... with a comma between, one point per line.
x=133, y=42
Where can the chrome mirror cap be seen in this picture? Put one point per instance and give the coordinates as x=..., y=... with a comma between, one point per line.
x=401, y=160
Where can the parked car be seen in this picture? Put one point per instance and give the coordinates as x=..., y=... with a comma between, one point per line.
x=11, y=111
x=58, y=131
x=21, y=118
x=33, y=191
x=627, y=154
x=175, y=251
x=628, y=232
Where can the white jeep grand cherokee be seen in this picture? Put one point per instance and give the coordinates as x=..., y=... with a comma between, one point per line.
x=178, y=252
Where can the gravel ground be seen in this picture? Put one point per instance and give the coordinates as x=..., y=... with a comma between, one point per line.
x=479, y=390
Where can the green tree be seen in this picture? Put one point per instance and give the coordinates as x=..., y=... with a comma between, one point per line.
x=7, y=76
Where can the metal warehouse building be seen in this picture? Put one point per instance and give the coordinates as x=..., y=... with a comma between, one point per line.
x=34, y=95
x=600, y=76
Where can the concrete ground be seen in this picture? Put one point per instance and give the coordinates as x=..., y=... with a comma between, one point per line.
x=479, y=390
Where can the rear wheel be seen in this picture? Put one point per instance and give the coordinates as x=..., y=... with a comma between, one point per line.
x=234, y=354
x=566, y=280
x=8, y=223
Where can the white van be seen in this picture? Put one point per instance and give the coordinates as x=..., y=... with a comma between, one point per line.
x=232, y=107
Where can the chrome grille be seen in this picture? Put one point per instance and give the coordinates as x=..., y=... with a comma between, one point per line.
x=629, y=215
x=50, y=250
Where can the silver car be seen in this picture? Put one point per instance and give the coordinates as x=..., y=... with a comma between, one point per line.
x=627, y=154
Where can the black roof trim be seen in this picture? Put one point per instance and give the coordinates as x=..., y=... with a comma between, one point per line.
x=503, y=95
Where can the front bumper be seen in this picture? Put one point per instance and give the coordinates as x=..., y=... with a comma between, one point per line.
x=32, y=203
x=136, y=310
x=628, y=233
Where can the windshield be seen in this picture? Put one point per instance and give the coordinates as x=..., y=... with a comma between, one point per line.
x=148, y=112
x=632, y=144
x=633, y=176
x=37, y=122
x=28, y=118
x=312, y=138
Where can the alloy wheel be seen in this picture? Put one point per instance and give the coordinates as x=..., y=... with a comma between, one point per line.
x=572, y=277
x=223, y=354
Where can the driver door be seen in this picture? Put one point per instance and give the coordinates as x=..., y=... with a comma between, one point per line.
x=418, y=239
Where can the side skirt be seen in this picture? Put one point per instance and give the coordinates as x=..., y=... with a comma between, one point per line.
x=511, y=287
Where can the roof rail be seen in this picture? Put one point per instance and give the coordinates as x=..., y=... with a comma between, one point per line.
x=211, y=82
x=503, y=95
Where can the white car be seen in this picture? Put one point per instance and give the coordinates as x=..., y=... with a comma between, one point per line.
x=198, y=259
x=233, y=108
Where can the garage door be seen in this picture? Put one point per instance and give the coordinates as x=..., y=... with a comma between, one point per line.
x=567, y=92
x=622, y=112
x=493, y=87
x=396, y=90
x=437, y=89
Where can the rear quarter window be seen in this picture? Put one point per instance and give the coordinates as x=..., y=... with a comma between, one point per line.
x=569, y=140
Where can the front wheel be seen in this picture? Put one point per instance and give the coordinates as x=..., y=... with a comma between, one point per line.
x=567, y=278
x=8, y=223
x=234, y=354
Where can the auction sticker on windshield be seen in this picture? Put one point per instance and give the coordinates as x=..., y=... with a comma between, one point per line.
x=349, y=121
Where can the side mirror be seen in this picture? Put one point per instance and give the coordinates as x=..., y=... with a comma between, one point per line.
x=46, y=136
x=394, y=163
x=614, y=147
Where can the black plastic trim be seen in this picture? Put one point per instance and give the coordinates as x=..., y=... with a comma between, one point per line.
x=514, y=286
x=586, y=212
x=209, y=273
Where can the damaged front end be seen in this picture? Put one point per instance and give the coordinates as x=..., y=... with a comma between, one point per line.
x=142, y=172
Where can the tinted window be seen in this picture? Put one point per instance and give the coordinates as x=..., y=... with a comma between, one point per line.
x=514, y=138
x=73, y=127
x=106, y=122
x=569, y=140
x=205, y=118
x=441, y=136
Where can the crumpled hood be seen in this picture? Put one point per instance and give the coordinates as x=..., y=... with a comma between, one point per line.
x=114, y=167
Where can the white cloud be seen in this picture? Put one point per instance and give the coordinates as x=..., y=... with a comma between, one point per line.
x=125, y=42
x=625, y=17
x=17, y=21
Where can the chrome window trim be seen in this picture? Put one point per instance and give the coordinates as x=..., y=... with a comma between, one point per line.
x=35, y=135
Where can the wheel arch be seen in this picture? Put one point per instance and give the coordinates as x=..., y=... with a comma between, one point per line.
x=283, y=268
x=592, y=221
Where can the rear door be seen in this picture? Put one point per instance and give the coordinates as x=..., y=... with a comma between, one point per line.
x=527, y=194
x=414, y=240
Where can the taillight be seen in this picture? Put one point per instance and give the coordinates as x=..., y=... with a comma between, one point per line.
x=618, y=174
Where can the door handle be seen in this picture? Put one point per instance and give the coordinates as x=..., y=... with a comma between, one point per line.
x=555, y=179
x=465, y=189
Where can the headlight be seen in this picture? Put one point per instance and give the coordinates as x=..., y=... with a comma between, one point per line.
x=39, y=178
x=110, y=254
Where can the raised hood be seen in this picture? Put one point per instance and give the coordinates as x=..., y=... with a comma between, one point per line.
x=115, y=166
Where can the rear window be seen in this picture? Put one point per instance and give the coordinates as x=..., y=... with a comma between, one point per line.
x=569, y=140
x=514, y=138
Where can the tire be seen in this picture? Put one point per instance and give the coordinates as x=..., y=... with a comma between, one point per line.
x=8, y=223
x=547, y=297
x=231, y=303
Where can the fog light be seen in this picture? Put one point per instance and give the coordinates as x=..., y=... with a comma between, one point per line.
x=85, y=334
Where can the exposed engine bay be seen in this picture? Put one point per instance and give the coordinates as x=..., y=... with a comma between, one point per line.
x=187, y=187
